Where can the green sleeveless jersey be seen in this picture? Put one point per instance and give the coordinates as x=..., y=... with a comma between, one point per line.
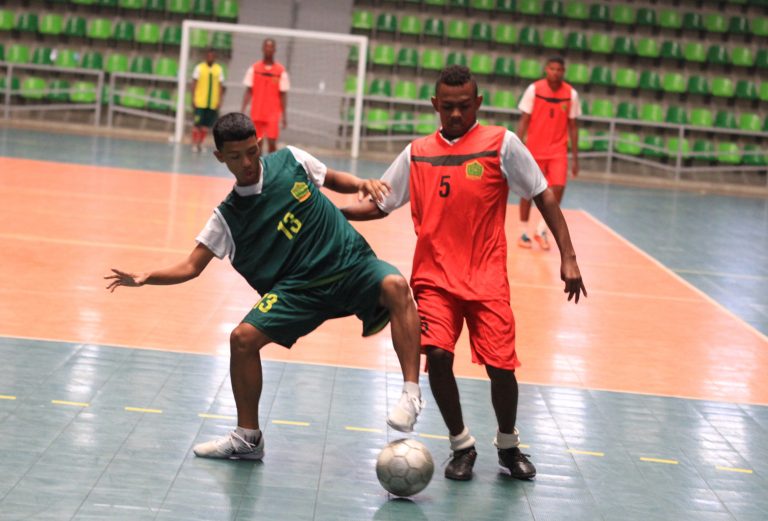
x=290, y=233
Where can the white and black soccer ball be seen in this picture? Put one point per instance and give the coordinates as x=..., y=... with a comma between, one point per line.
x=404, y=467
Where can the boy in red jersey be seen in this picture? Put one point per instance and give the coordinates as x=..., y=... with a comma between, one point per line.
x=457, y=181
x=550, y=107
x=267, y=85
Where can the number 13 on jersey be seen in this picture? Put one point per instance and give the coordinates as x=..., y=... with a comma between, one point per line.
x=289, y=225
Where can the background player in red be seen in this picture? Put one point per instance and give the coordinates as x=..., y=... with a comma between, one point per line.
x=550, y=107
x=267, y=86
x=457, y=181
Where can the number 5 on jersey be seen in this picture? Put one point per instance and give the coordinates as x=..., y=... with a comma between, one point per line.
x=289, y=225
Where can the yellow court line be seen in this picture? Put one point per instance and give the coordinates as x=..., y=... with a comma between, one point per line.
x=140, y=409
x=734, y=469
x=586, y=452
x=524, y=446
x=216, y=416
x=287, y=422
x=659, y=460
x=64, y=402
x=434, y=436
x=361, y=429
x=7, y=397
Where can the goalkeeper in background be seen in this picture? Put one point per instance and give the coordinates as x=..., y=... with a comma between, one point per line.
x=207, y=93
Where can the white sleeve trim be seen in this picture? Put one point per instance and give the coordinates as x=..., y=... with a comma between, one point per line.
x=285, y=82
x=196, y=72
x=316, y=169
x=526, y=102
x=217, y=237
x=248, y=78
x=575, y=105
x=523, y=175
x=398, y=175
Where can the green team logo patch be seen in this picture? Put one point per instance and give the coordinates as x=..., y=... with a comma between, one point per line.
x=474, y=170
x=564, y=106
x=300, y=192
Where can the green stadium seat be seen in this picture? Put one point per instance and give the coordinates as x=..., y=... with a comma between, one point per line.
x=425, y=124
x=553, y=9
x=725, y=119
x=202, y=8
x=677, y=146
x=482, y=5
x=434, y=28
x=585, y=108
x=653, y=146
x=26, y=23
x=180, y=7
x=715, y=23
x=649, y=80
x=99, y=29
x=42, y=56
x=746, y=89
x=504, y=67
x=576, y=41
x=759, y=26
x=6, y=20
x=670, y=50
x=481, y=64
x=426, y=91
x=529, y=7
x=380, y=87
x=600, y=42
x=628, y=143
x=553, y=39
x=651, y=112
x=504, y=99
x=33, y=88
x=601, y=76
x=403, y=122
x=481, y=33
x=626, y=110
x=2, y=52
x=362, y=21
x=626, y=78
x=738, y=25
x=505, y=34
x=742, y=57
x=670, y=19
x=405, y=89
x=703, y=150
x=117, y=63
x=410, y=25
x=530, y=69
x=383, y=55
x=83, y=92
x=124, y=31
x=693, y=22
x=646, y=17
x=51, y=24
x=702, y=117
x=648, y=48
x=676, y=115
x=66, y=58
x=599, y=13
x=386, y=23
x=407, y=58
x=17, y=53
x=458, y=30
x=761, y=59
x=503, y=6
x=141, y=65
x=148, y=33
x=458, y=5
x=172, y=36
x=717, y=55
x=157, y=6
x=58, y=91
x=221, y=41
x=753, y=157
x=577, y=73
x=585, y=141
x=624, y=45
x=722, y=87
x=456, y=58
x=602, y=108
x=697, y=85
x=134, y=97
x=160, y=99
x=576, y=10
x=92, y=60
x=106, y=4
x=673, y=82
x=198, y=38
x=350, y=84
x=166, y=67
x=227, y=10
x=762, y=92
x=132, y=5
x=432, y=60
x=529, y=36
x=600, y=142
x=728, y=153
x=694, y=52
x=749, y=122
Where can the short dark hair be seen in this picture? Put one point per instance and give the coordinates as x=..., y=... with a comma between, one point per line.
x=556, y=59
x=269, y=40
x=234, y=126
x=455, y=76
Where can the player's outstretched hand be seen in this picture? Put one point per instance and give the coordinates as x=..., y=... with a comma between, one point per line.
x=373, y=188
x=574, y=286
x=122, y=278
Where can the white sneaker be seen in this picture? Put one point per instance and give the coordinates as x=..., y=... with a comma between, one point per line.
x=231, y=446
x=403, y=416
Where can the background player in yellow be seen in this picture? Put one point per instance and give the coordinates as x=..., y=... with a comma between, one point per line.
x=207, y=94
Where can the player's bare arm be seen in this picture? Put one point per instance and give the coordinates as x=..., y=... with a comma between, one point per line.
x=185, y=270
x=365, y=210
x=346, y=183
x=246, y=99
x=569, y=269
x=522, y=128
x=573, y=135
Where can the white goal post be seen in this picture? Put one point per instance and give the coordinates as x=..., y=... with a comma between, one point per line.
x=348, y=40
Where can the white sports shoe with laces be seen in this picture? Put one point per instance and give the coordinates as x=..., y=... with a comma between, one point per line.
x=231, y=446
x=403, y=416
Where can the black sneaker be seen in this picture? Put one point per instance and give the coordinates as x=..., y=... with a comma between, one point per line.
x=517, y=463
x=460, y=466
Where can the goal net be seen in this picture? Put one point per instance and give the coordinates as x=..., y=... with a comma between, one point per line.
x=324, y=101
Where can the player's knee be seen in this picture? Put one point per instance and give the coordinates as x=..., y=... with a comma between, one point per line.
x=395, y=290
x=502, y=376
x=439, y=359
x=245, y=339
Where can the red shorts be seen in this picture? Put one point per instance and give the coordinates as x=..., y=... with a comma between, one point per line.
x=268, y=129
x=491, y=326
x=555, y=170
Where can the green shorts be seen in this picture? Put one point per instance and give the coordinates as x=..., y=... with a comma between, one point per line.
x=286, y=314
x=205, y=117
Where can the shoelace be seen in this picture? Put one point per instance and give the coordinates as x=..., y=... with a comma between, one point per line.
x=236, y=436
x=453, y=454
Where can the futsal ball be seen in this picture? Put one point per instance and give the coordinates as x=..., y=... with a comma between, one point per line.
x=404, y=467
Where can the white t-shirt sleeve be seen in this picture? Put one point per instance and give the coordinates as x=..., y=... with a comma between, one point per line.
x=217, y=237
x=315, y=168
x=248, y=78
x=285, y=82
x=196, y=72
x=575, y=105
x=526, y=102
x=398, y=176
x=221, y=76
x=523, y=175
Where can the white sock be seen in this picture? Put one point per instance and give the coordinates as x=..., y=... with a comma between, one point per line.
x=462, y=441
x=506, y=441
x=249, y=435
x=541, y=227
x=412, y=388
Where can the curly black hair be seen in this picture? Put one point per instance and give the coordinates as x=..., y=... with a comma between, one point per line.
x=455, y=76
x=234, y=126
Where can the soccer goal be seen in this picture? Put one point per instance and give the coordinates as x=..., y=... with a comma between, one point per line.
x=323, y=108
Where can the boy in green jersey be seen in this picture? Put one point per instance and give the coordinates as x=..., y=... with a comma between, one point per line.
x=308, y=263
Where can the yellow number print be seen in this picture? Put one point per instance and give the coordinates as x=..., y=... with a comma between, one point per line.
x=290, y=225
x=266, y=303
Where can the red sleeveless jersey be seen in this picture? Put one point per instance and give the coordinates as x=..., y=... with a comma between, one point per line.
x=548, y=128
x=265, y=90
x=458, y=205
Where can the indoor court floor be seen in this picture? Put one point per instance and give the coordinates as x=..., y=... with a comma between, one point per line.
x=643, y=402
